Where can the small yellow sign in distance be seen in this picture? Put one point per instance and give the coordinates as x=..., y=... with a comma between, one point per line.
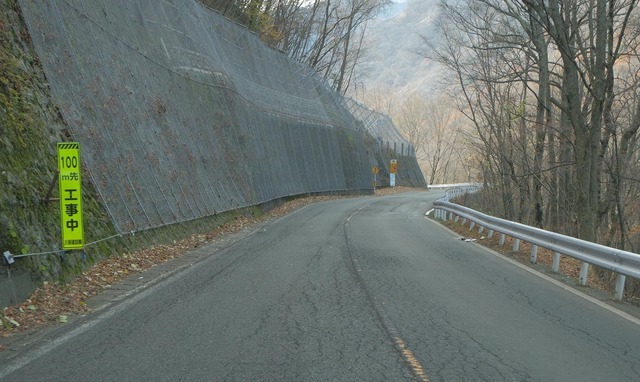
x=394, y=166
x=69, y=182
x=375, y=169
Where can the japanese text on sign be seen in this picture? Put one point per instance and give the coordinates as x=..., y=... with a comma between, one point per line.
x=70, y=195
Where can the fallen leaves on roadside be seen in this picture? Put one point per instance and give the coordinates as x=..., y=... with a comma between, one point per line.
x=53, y=303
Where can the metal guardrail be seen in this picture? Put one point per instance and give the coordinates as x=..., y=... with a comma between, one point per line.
x=466, y=187
x=456, y=189
x=623, y=263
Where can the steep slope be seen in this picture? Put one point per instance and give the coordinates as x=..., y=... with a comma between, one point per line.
x=183, y=119
x=394, y=61
x=30, y=124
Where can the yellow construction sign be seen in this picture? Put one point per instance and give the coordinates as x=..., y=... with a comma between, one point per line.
x=70, y=195
x=394, y=166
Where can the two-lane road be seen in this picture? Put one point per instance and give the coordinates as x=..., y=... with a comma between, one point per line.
x=354, y=289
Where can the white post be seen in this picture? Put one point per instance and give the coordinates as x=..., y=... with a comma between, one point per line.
x=556, y=262
x=464, y=221
x=502, y=236
x=490, y=235
x=620, y=286
x=516, y=245
x=584, y=269
x=480, y=229
x=534, y=254
x=473, y=224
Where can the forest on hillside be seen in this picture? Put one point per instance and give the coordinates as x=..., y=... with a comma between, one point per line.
x=552, y=90
x=326, y=35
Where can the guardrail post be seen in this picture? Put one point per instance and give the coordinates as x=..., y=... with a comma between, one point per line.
x=502, y=237
x=584, y=269
x=556, y=262
x=534, y=254
x=516, y=245
x=457, y=218
x=464, y=221
x=480, y=229
x=490, y=234
x=620, y=286
x=473, y=224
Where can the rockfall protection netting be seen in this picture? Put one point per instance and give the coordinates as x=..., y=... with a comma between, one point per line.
x=381, y=127
x=390, y=144
x=182, y=114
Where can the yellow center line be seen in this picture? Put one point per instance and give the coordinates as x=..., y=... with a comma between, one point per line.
x=417, y=368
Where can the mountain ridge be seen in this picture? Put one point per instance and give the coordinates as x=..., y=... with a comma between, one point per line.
x=393, y=62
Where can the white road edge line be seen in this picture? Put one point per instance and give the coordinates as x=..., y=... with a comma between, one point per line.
x=130, y=298
x=30, y=356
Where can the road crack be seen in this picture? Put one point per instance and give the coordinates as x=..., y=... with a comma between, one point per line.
x=417, y=369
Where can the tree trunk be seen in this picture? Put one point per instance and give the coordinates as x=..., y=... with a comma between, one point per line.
x=542, y=111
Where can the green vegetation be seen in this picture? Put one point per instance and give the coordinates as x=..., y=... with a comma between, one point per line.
x=30, y=126
x=27, y=161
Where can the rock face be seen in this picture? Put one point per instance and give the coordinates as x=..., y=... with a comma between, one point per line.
x=181, y=115
x=30, y=125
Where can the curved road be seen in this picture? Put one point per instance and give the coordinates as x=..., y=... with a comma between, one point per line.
x=360, y=289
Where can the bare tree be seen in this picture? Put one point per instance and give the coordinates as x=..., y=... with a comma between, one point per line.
x=432, y=128
x=327, y=35
x=558, y=60
x=491, y=94
x=588, y=38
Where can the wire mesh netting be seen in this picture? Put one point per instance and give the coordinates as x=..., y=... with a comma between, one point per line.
x=390, y=144
x=183, y=114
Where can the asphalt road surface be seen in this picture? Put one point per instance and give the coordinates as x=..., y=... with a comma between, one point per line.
x=362, y=289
